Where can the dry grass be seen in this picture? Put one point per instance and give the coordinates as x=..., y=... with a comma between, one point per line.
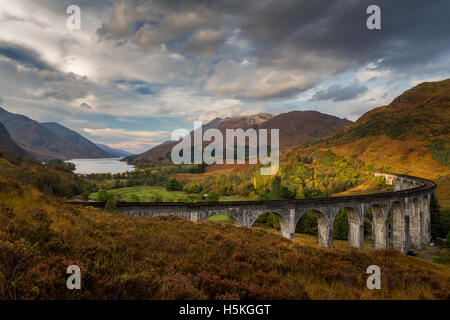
x=401, y=156
x=443, y=191
x=172, y=258
x=367, y=188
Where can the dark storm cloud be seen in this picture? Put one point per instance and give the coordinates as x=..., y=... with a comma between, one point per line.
x=331, y=37
x=24, y=56
x=339, y=93
x=324, y=27
x=338, y=29
x=321, y=36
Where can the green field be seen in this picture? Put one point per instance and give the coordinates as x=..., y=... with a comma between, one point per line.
x=150, y=193
x=221, y=218
x=145, y=193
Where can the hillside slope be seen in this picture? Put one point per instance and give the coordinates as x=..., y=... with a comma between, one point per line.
x=49, y=140
x=296, y=128
x=172, y=258
x=7, y=144
x=299, y=127
x=119, y=153
x=81, y=145
x=410, y=135
x=162, y=151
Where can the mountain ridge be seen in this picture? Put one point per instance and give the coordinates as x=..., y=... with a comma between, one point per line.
x=48, y=140
x=408, y=136
x=402, y=134
x=9, y=146
x=291, y=133
x=119, y=153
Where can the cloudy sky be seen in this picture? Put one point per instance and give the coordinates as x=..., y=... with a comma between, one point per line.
x=139, y=69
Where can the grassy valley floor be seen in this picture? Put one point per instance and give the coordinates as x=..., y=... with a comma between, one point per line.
x=145, y=193
x=150, y=193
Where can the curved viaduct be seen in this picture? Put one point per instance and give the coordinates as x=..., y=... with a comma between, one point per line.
x=401, y=219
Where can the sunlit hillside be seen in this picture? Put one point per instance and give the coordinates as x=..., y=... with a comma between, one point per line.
x=141, y=258
x=410, y=136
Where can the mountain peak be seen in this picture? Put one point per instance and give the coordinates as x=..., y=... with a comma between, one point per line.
x=49, y=140
x=425, y=92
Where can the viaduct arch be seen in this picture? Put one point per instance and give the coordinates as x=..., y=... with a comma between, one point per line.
x=401, y=219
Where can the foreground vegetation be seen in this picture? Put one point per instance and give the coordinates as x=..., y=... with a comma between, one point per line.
x=122, y=257
x=172, y=258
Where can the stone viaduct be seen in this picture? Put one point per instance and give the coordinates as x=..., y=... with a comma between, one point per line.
x=401, y=219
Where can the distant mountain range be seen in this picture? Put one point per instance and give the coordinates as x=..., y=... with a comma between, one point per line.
x=296, y=128
x=119, y=153
x=49, y=140
x=411, y=132
x=44, y=141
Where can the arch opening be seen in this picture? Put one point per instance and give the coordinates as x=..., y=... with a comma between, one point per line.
x=221, y=217
x=307, y=227
x=268, y=220
x=275, y=221
x=314, y=223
